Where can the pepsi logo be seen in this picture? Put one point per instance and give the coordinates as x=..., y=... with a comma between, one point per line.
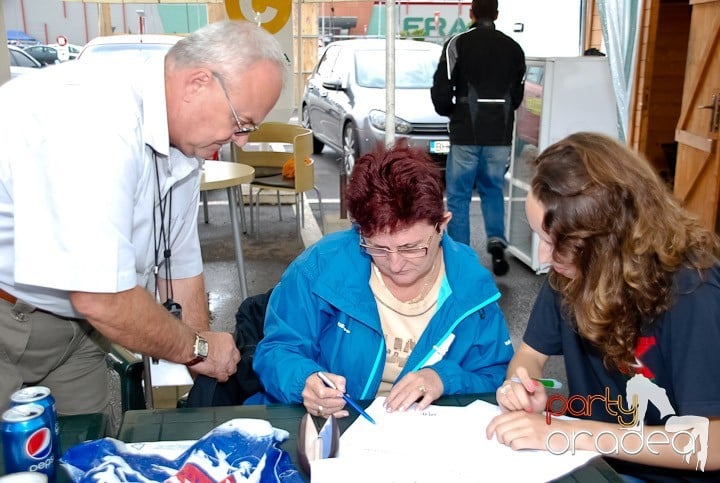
x=39, y=445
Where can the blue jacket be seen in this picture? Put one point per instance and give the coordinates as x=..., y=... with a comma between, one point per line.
x=322, y=316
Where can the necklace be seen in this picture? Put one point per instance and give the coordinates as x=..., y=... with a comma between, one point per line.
x=416, y=303
x=426, y=286
x=384, y=304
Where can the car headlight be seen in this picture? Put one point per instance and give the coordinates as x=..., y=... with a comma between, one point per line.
x=377, y=119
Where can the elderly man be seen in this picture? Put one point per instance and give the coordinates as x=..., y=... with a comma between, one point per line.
x=99, y=188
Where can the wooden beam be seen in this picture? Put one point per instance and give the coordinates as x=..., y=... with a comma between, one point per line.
x=698, y=142
x=104, y=20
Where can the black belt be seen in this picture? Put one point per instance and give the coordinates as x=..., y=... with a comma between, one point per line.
x=11, y=299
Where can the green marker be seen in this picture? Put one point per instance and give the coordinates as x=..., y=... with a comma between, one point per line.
x=548, y=383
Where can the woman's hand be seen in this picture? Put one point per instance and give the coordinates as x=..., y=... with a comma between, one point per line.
x=523, y=430
x=423, y=387
x=527, y=395
x=320, y=400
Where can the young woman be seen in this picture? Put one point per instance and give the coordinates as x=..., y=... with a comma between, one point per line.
x=633, y=303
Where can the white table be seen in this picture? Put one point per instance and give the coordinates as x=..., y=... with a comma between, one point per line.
x=223, y=174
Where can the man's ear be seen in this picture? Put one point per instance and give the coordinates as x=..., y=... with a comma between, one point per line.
x=196, y=81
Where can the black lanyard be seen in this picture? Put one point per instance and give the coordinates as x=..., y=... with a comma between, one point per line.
x=161, y=241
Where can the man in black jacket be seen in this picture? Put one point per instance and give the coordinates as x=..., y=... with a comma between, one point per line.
x=478, y=84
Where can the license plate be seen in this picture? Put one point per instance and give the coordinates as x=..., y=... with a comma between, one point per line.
x=439, y=147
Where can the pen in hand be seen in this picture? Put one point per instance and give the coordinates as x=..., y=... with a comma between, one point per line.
x=548, y=383
x=347, y=398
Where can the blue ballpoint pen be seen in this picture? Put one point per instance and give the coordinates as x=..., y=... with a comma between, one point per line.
x=347, y=398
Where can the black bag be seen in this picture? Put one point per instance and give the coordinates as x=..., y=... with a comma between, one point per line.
x=249, y=323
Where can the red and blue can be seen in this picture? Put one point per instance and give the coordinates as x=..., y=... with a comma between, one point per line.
x=42, y=396
x=28, y=441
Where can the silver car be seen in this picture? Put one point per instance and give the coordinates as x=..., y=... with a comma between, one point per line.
x=21, y=62
x=344, y=99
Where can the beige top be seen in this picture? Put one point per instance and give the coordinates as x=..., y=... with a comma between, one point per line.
x=402, y=322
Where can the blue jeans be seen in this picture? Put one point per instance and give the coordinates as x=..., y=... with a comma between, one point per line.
x=484, y=168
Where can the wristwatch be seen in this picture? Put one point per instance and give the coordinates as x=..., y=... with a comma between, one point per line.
x=200, y=349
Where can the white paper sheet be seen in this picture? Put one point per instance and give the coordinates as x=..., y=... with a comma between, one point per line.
x=442, y=443
x=166, y=373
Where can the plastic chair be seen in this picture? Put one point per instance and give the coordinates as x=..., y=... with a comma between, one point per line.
x=129, y=368
x=267, y=150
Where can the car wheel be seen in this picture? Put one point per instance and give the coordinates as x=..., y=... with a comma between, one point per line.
x=350, y=147
x=317, y=144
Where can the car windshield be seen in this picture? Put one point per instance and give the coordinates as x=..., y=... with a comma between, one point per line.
x=414, y=69
x=123, y=53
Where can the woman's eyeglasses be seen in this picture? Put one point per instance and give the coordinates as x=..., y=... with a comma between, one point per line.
x=415, y=252
x=243, y=129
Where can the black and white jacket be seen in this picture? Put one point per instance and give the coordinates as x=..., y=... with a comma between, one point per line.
x=478, y=84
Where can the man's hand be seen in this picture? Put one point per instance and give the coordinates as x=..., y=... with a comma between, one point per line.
x=223, y=356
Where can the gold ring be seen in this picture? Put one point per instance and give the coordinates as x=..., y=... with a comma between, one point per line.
x=320, y=410
x=422, y=389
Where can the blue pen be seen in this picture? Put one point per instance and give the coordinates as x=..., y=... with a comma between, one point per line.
x=347, y=399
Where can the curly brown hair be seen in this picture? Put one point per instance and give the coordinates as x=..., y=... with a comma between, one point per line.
x=610, y=216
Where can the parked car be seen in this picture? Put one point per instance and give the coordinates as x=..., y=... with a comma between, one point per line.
x=21, y=62
x=132, y=48
x=67, y=51
x=344, y=99
x=20, y=38
x=44, y=54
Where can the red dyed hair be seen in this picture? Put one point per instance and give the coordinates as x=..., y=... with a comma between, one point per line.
x=391, y=189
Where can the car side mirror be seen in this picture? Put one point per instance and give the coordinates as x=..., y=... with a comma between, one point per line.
x=336, y=84
x=332, y=84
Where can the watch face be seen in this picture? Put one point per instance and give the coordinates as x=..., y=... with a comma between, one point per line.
x=201, y=347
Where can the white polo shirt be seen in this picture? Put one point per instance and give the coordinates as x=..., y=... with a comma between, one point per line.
x=78, y=184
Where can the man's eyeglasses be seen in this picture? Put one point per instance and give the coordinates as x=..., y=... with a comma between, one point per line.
x=243, y=129
x=415, y=252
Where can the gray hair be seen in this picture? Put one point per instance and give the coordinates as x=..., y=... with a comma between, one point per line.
x=228, y=47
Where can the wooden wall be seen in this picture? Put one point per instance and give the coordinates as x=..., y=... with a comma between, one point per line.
x=663, y=85
x=309, y=43
x=640, y=101
x=593, y=32
x=659, y=74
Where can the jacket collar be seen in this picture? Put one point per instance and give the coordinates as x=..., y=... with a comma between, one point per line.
x=346, y=284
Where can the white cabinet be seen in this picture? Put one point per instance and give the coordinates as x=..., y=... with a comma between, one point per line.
x=563, y=95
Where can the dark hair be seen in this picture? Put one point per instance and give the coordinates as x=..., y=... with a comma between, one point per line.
x=610, y=215
x=391, y=189
x=484, y=9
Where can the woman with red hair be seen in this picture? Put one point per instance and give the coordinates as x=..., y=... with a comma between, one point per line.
x=391, y=307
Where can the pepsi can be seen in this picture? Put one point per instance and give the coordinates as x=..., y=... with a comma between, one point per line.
x=28, y=441
x=40, y=395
